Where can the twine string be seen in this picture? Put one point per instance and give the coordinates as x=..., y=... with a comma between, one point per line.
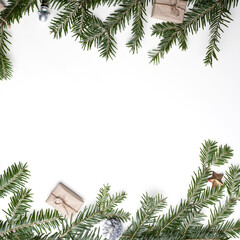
x=60, y=201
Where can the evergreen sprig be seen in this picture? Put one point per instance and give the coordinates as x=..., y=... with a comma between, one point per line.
x=183, y=222
x=214, y=13
x=14, y=11
x=13, y=179
x=20, y=223
x=77, y=16
x=189, y=211
x=145, y=216
x=19, y=205
x=84, y=225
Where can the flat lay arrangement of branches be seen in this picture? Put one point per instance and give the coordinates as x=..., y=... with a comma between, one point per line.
x=185, y=221
x=76, y=16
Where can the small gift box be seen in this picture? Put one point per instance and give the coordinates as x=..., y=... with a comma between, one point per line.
x=64, y=200
x=2, y=7
x=169, y=10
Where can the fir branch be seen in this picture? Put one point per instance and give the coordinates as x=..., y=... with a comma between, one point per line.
x=3, y=226
x=139, y=14
x=222, y=155
x=181, y=222
x=218, y=215
x=210, y=156
x=37, y=221
x=209, y=196
x=5, y=67
x=100, y=36
x=231, y=228
x=222, y=212
x=93, y=34
x=199, y=181
x=102, y=196
x=5, y=64
x=92, y=214
x=215, y=28
x=194, y=19
x=19, y=205
x=102, y=33
x=146, y=215
x=107, y=47
x=96, y=3
x=176, y=215
x=228, y=4
x=80, y=20
x=14, y=12
x=16, y=9
x=232, y=181
x=118, y=19
x=46, y=237
x=64, y=19
x=13, y=179
x=193, y=219
x=207, y=152
x=58, y=4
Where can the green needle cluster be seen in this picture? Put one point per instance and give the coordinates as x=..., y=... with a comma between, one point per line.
x=205, y=213
x=76, y=16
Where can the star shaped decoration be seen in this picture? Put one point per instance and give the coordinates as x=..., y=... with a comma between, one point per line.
x=216, y=179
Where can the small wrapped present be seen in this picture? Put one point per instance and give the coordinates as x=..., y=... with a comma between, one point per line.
x=64, y=200
x=2, y=7
x=169, y=10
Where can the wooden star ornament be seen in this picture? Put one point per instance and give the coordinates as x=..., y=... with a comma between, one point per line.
x=216, y=179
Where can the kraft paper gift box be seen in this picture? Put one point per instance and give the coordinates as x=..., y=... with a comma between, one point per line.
x=2, y=7
x=64, y=200
x=169, y=10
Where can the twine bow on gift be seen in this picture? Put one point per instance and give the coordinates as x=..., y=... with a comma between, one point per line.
x=174, y=7
x=62, y=203
x=175, y=11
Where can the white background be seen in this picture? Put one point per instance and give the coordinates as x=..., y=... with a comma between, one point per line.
x=75, y=118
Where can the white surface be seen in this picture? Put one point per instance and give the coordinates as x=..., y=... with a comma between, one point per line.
x=86, y=122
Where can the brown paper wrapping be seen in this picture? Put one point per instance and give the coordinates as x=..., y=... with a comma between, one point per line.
x=2, y=7
x=64, y=200
x=169, y=10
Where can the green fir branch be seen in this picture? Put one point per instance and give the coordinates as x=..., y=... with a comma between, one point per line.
x=145, y=216
x=231, y=228
x=13, y=179
x=209, y=196
x=58, y=4
x=182, y=222
x=139, y=15
x=64, y=20
x=119, y=18
x=81, y=20
x=176, y=215
x=19, y=205
x=207, y=152
x=36, y=222
x=218, y=215
x=194, y=219
x=100, y=36
x=5, y=64
x=94, y=214
x=220, y=18
x=232, y=181
x=196, y=17
x=15, y=10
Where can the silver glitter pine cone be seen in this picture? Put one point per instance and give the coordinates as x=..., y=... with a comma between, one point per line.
x=112, y=229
